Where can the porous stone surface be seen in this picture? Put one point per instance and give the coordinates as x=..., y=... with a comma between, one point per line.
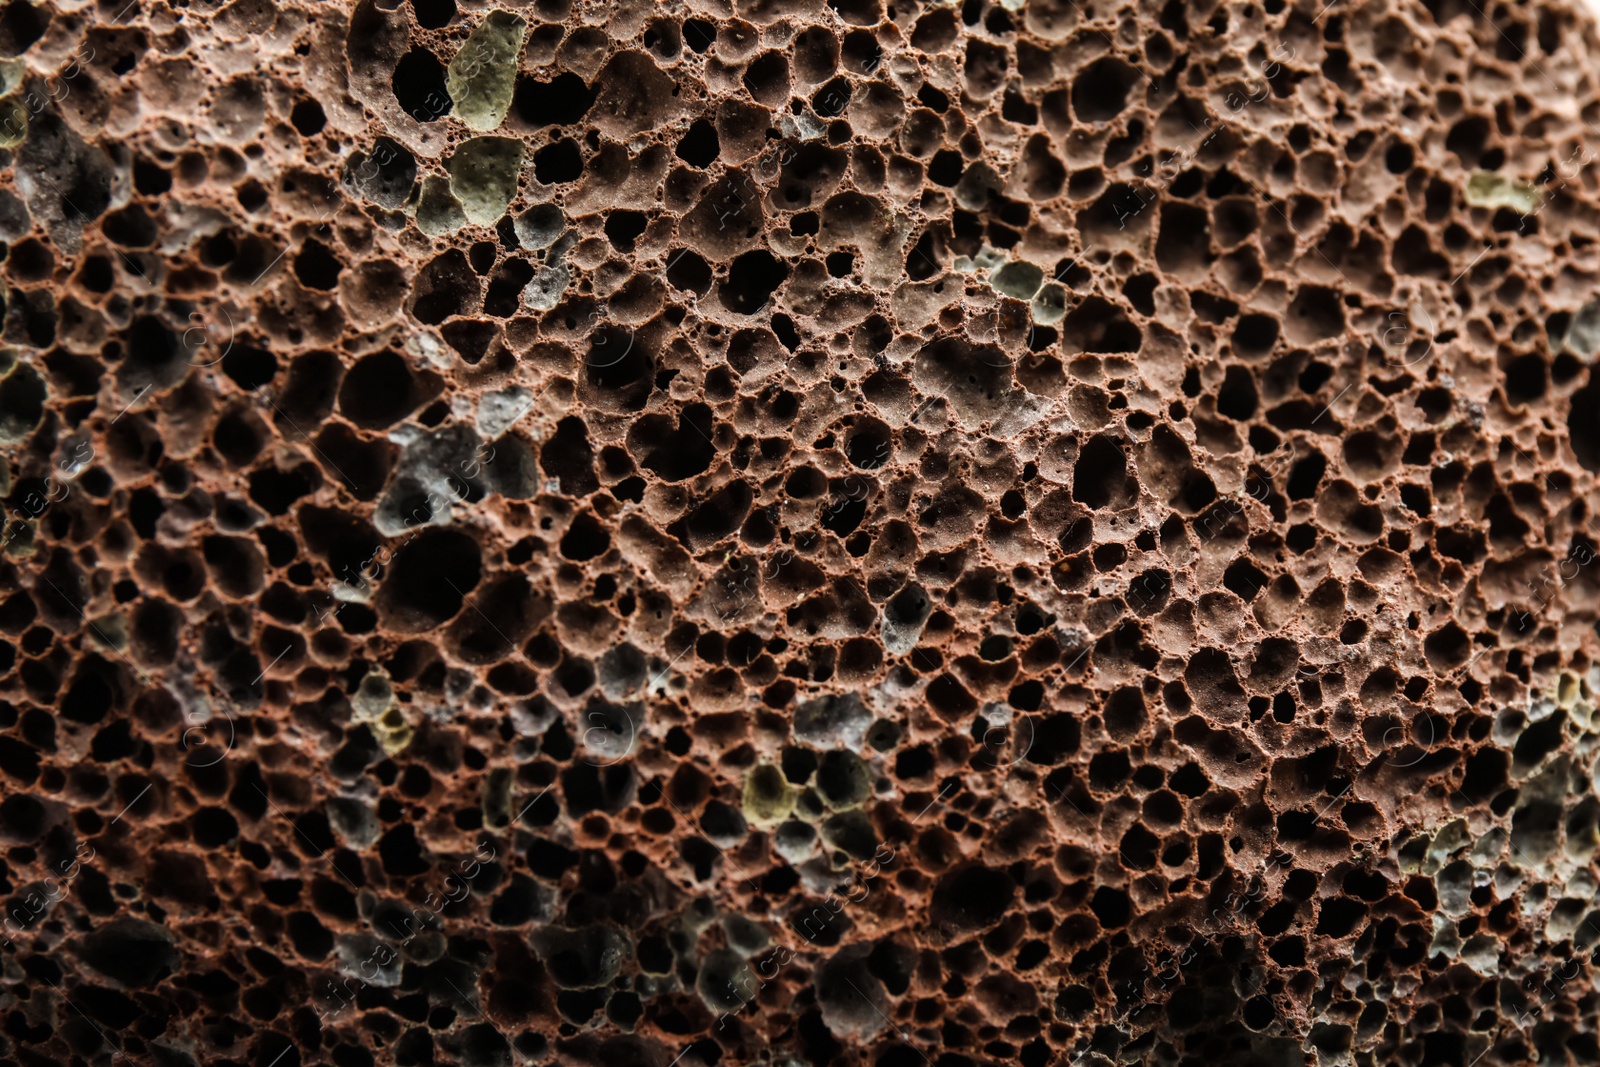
x=879, y=532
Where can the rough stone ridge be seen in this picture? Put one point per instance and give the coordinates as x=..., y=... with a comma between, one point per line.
x=759, y=531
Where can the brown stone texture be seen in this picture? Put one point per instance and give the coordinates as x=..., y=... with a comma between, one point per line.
x=876, y=532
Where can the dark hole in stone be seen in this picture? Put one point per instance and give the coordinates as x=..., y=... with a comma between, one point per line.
x=249, y=367
x=700, y=146
x=419, y=85
x=470, y=338
x=585, y=539
x=831, y=100
x=1237, y=398
x=945, y=168
x=767, y=77
x=1100, y=92
x=1101, y=474
x=1254, y=335
x=689, y=271
x=1306, y=475
x=623, y=228
x=699, y=34
x=401, y=853
x=433, y=14
x=1096, y=325
x=972, y=897
x=481, y=256
x=506, y=284
x=317, y=267
x=132, y=227
x=428, y=578
x=447, y=286
x=134, y=952
x=675, y=451
x=752, y=279
x=568, y=458
x=1340, y=916
x=378, y=391
x=562, y=101
x=1582, y=427
x=275, y=491
x=1111, y=907
x=308, y=118
x=22, y=818
x=20, y=26
x=558, y=163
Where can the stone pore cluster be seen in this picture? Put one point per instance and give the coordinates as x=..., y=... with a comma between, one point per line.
x=862, y=533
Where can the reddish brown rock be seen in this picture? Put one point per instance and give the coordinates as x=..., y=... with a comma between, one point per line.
x=829, y=534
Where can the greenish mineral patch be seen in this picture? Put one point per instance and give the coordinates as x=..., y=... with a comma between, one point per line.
x=483, y=75
x=1050, y=305
x=986, y=259
x=545, y=289
x=13, y=123
x=978, y=183
x=768, y=797
x=438, y=211
x=110, y=632
x=13, y=113
x=1017, y=279
x=1583, y=335
x=12, y=72
x=374, y=705
x=1020, y=280
x=483, y=177
x=1487, y=189
x=1575, y=696
x=540, y=226
x=16, y=538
